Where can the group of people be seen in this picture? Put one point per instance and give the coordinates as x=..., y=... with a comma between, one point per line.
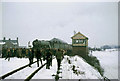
x=14, y=52
x=43, y=54
x=46, y=55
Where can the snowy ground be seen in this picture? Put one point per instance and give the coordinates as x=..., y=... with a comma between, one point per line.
x=67, y=73
x=7, y=66
x=109, y=61
x=85, y=70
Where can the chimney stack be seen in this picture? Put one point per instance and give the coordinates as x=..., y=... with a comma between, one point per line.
x=3, y=38
x=74, y=32
x=17, y=38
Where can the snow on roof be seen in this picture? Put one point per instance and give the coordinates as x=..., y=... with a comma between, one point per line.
x=57, y=40
x=2, y=43
x=14, y=43
x=80, y=34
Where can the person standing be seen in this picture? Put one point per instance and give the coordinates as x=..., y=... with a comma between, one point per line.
x=8, y=54
x=23, y=52
x=31, y=56
x=4, y=51
x=48, y=57
x=38, y=56
x=51, y=55
x=12, y=52
x=59, y=57
x=44, y=54
x=17, y=52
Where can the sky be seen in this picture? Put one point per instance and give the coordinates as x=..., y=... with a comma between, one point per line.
x=46, y=20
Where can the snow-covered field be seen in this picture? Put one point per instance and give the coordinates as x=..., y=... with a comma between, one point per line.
x=109, y=61
x=85, y=70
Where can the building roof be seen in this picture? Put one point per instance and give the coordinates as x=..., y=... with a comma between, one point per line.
x=79, y=34
x=57, y=40
x=1, y=43
x=4, y=41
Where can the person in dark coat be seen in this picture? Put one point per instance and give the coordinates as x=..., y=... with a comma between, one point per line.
x=31, y=56
x=15, y=52
x=48, y=58
x=44, y=54
x=4, y=51
x=59, y=56
x=12, y=52
x=38, y=56
x=8, y=54
x=51, y=55
x=23, y=52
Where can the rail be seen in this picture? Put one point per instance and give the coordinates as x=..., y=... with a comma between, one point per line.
x=29, y=77
x=14, y=71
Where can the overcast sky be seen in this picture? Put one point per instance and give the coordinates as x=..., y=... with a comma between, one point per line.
x=28, y=21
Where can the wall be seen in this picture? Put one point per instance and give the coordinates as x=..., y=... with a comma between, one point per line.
x=80, y=50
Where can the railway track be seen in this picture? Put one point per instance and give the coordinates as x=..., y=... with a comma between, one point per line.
x=30, y=76
x=21, y=68
x=14, y=71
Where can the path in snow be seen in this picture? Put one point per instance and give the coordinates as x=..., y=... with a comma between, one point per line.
x=67, y=73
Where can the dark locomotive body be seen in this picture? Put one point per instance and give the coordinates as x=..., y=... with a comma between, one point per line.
x=54, y=43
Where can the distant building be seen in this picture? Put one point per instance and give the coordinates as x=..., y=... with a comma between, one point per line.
x=106, y=47
x=9, y=43
x=79, y=44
